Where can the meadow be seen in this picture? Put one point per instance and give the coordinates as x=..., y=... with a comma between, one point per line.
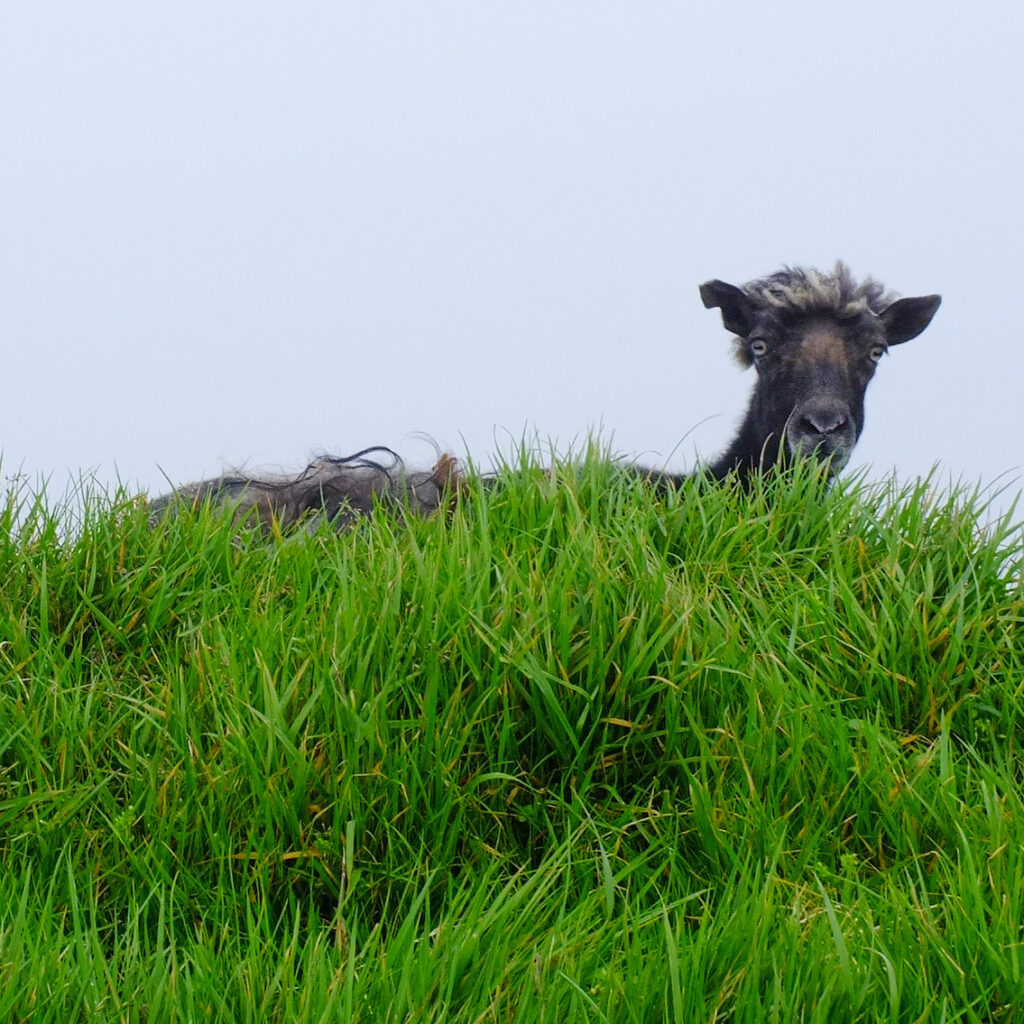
x=572, y=752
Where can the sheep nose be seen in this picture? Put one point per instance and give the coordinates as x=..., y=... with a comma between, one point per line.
x=824, y=421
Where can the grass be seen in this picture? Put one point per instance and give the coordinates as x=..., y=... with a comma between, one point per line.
x=578, y=753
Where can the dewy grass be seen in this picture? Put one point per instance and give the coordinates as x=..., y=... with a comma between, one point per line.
x=573, y=753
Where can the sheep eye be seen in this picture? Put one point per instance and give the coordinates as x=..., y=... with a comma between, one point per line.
x=758, y=346
x=876, y=353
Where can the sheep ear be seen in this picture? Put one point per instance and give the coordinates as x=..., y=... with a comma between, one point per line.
x=907, y=318
x=737, y=309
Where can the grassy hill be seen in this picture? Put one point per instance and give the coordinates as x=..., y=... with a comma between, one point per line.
x=574, y=753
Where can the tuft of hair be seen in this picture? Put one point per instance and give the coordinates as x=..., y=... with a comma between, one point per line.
x=741, y=353
x=340, y=490
x=813, y=291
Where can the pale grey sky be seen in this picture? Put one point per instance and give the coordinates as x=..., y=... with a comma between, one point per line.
x=248, y=233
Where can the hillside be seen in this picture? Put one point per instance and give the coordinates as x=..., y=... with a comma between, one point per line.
x=574, y=753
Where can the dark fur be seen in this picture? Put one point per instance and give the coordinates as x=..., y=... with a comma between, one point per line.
x=813, y=338
x=337, y=489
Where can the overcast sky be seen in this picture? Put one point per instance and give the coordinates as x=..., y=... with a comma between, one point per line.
x=244, y=234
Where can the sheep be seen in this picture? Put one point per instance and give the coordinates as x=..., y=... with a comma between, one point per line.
x=814, y=339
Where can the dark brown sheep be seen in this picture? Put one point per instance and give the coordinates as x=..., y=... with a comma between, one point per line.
x=814, y=339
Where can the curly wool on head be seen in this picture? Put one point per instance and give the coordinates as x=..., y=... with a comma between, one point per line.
x=814, y=291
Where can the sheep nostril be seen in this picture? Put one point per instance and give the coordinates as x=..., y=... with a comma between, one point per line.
x=823, y=423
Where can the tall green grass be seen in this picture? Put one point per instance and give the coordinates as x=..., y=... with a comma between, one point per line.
x=574, y=753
